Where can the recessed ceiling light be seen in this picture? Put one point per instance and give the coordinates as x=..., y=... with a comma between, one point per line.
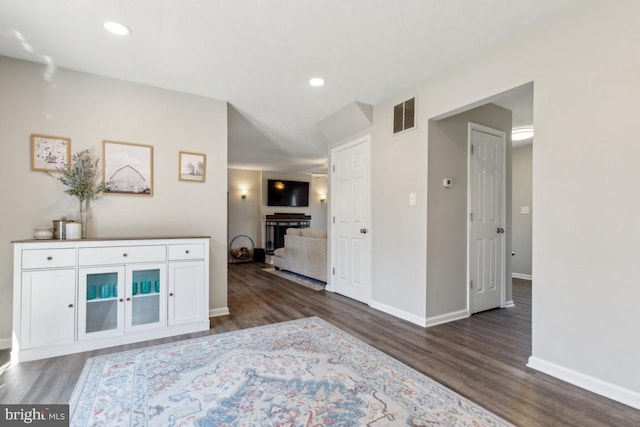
x=522, y=133
x=117, y=28
x=316, y=81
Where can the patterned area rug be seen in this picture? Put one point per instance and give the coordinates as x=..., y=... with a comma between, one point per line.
x=307, y=282
x=300, y=373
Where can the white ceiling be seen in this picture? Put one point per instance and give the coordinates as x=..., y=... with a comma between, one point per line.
x=259, y=55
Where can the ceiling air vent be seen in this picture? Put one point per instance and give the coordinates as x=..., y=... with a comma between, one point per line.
x=404, y=115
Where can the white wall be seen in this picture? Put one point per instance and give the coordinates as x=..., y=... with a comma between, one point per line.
x=89, y=109
x=585, y=65
x=522, y=197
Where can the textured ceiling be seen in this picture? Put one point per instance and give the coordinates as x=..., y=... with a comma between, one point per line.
x=259, y=55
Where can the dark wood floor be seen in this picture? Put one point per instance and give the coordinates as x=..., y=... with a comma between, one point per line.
x=483, y=357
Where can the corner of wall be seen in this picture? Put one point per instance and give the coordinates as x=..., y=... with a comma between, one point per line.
x=404, y=315
x=595, y=385
x=5, y=343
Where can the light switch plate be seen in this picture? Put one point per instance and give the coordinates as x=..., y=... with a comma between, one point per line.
x=412, y=199
x=524, y=210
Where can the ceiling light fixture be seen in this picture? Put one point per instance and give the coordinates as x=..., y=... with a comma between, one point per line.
x=117, y=28
x=521, y=133
x=316, y=81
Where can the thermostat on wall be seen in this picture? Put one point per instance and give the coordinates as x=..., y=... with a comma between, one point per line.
x=447, y=182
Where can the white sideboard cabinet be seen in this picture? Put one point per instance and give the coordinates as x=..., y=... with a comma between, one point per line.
x=79, y=295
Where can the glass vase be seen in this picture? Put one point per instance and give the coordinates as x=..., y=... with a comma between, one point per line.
x=82, y=219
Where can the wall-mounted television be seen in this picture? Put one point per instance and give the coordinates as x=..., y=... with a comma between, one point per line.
x=287, y=193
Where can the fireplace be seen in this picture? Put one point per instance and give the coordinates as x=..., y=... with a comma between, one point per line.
x=276, y=227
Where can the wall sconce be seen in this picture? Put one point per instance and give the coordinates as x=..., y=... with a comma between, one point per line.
x=323, y=198
x=243, y=193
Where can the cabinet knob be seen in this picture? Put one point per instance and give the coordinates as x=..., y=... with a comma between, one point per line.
x=125, y=255
x=171, y=294
x=128, y=299
x=70, y=305
x=49, y=258
x=121, y=300
x=187, y=251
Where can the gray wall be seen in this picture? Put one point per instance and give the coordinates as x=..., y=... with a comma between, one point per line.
x=447, y=207
x=586, y=224
x=89, y=109
x=246, y=216
x=521, y=161
x=317, y=185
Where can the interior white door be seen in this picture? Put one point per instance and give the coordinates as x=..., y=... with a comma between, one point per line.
x=350, y=233
x=486, y=217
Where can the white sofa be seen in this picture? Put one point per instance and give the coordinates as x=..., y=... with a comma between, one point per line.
x=304, y=252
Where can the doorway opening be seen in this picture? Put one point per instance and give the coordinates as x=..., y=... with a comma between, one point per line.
x=448, y=220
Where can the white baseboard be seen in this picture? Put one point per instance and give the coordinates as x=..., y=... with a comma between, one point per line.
x=215, y=312
x=5, y=343
x=447, y=317
x=595, y=385
x=521, y=276
x=509, y=303
x=421, y=321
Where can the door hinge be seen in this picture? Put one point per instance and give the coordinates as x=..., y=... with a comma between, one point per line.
x=470, y=284
x=333, y=271
x=334, y=219
x=472, y=149
x=470, y=216
x=333, y=168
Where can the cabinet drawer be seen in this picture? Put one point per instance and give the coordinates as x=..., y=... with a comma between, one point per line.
x=48, y=258
x=122, y=254
x=187, y=251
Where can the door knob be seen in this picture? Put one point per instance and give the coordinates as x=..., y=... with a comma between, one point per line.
x=500, y=230
x=363, y=230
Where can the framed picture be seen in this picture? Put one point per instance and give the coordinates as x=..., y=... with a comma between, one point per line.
x=192, y=166
x=50, y=153
x=128, y=168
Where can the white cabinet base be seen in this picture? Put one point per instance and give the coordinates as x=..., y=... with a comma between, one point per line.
x=50, y=293
x=26, y=355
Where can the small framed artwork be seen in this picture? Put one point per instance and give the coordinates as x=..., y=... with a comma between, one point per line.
x=128, y=168
x=192, y=166
x=50, y=153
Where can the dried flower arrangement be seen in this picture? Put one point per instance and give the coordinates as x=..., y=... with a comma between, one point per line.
x=83, y=181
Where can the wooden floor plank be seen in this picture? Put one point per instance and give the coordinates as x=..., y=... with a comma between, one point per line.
x=482, y=358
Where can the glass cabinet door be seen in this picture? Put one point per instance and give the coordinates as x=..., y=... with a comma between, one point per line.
x=100, y=308
x=146, y=296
